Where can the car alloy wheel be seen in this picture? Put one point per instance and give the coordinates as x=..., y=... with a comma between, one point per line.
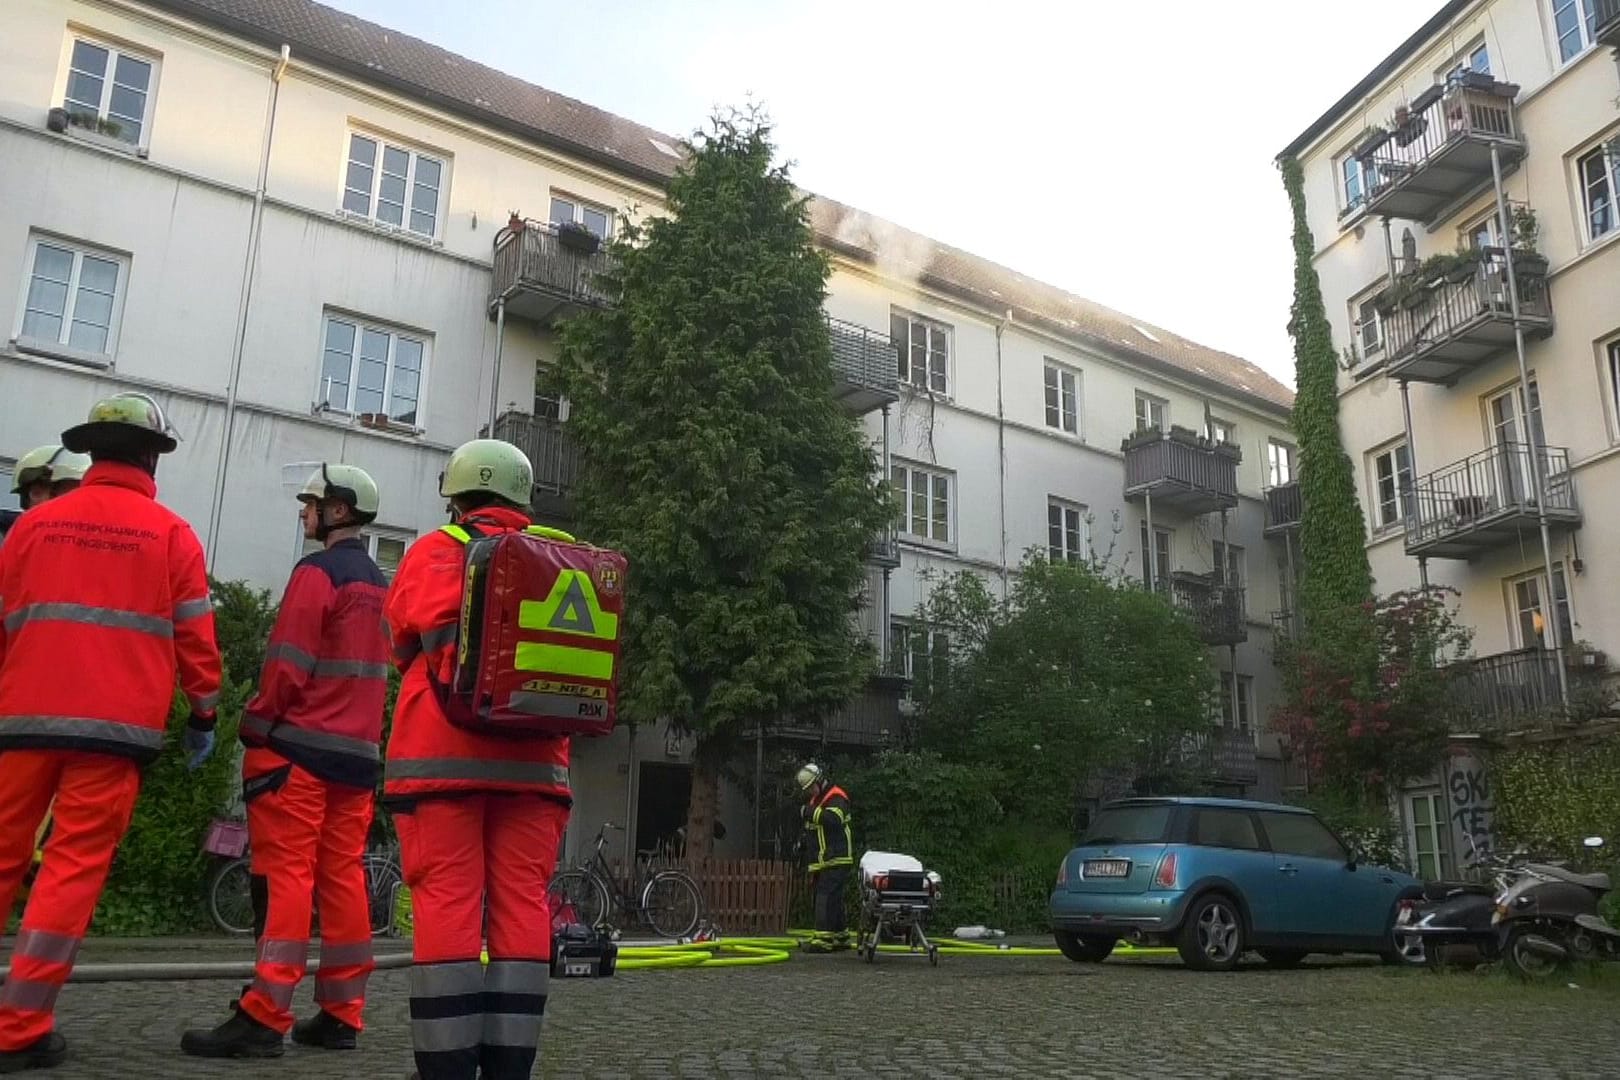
x=1218, y=932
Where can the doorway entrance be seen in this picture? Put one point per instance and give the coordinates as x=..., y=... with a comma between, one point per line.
x=661, y=801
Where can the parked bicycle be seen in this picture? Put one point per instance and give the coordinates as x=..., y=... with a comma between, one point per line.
x=666, y=901
x=230, y=889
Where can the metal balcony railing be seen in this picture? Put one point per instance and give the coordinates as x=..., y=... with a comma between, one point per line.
x=1488, y=499
x=543, y=279
x=1285, y=508
x=1606, y=22
x=1179, y=473
x=864, y=371
x=1225, y=755
x=551, y=451
x=1505, y=692
x=1440, y=149
x=1217, y=610
x=1449, y=327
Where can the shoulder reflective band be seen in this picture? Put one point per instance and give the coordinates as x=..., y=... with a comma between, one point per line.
x=461, y=535
x=548, y=533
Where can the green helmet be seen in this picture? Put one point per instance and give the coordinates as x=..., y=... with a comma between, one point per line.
x=51, y=463
x=489, y=465
x=126, y=421
x=347, y=484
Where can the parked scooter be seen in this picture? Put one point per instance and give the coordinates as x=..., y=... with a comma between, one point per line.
x=1549, y=918
x=1454, y=921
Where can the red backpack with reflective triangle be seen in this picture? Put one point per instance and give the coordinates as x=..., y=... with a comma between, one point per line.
x=537, y=651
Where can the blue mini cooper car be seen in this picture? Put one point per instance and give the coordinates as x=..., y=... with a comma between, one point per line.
x=1218, y=877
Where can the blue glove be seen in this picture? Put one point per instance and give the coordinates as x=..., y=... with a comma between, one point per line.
x=199, y=743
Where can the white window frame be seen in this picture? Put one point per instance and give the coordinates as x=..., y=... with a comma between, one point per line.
x=1240, y=718
x=1586, y=15
x=114, y=51
x=580, y=206
x=1221, y=432
x=1490, y=224
x=903, y=476
x=1162, y=569
x=1405, y=500
x=416, y=154
x=60, y=349
x=1280, y=453
x=361, y=324
x=1068, y=422
x=903, y=633
x=8, y=480
x=1566, y=605
x=1342, y=172
x=1231, y=561
x=1610, y=181
x=1464, y=60
x=1068, y=509
x=936, y=333
x=1611, y=350
x=1146, y=404
x=1364, y=314
x=1438, y=830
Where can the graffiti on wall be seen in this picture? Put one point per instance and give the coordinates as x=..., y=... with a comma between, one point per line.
x=1473, y=811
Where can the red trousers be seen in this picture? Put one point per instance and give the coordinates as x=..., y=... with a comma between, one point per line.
x=308, y=837
x=95, y=796
x=460, y=854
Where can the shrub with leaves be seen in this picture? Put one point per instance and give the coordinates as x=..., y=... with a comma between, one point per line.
x=1368, y=702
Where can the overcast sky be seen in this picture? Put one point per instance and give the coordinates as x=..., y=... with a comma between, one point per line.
x=1121, y=151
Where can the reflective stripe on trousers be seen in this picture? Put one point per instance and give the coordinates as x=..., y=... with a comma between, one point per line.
x=447, y=1018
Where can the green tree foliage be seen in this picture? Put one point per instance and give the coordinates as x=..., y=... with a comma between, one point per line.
x=1550, y=798
x=158, y=879
x=1366, y=718
x=715, y=457
x=1073, y=675
x=1333, y=532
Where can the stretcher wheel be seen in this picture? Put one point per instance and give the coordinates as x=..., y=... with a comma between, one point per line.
x=871, y=950
x=933, y=955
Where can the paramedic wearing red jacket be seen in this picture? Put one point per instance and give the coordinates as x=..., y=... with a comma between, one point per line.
x=480, y=817
x=308, y=777
x=108, y=575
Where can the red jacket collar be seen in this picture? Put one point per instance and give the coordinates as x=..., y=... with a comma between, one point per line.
x=499, y=516
x=117, y=474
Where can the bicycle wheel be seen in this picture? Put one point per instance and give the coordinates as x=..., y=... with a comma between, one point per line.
x=672, y=904
x=383, y=880
x=230, y=897
x=584, y=893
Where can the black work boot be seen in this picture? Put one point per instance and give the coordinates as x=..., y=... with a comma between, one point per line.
x=239, y=1037
x=325, y=1031
x=42, y=1053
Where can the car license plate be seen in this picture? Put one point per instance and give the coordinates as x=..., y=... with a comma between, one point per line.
x=1107, y=868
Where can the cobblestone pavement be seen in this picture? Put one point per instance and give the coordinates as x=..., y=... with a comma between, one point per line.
x=834, y=1016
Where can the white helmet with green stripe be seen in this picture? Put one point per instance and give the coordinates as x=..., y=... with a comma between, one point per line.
x=489, y=466
x=346, y=484
x=52, y=463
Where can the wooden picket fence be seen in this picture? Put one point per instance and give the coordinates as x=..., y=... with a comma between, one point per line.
x=743, y=896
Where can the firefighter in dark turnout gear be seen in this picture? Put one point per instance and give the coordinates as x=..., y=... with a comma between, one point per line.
x=827, y=816
x=311, y=766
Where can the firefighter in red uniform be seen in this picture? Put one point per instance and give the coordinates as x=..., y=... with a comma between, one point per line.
x=107, y=574
x=480, y=817
x=308, y=776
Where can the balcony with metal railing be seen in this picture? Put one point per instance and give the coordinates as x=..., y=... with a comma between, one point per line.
x=1225, y=755
x=553, y=454
x=1284, y=509
x=1437, y=150
x=1180, y=471
x=1217, y=610
x=545, y=274
x=1509, y=691
x=865, y=375
x=1444, y=327
x=1487, y=500
x=1606, y=23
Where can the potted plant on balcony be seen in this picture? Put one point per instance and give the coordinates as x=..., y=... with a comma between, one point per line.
x=1526, y=231
x=1140, y=437
x=577, y=238
x=1371, y=139
x=1409, y=125
x=1187, y=437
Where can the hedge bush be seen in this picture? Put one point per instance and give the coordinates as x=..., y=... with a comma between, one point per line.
x=160, y=874
x=1550, y=798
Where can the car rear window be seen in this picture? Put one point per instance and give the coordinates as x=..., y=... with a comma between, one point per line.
x=1129, y=825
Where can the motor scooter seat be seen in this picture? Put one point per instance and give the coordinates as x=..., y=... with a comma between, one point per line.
x=1600, y=882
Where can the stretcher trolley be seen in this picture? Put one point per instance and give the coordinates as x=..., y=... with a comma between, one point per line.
x=897, y=897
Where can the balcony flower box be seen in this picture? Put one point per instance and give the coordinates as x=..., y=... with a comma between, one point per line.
x=578, y=239
x=1143, y=437
x=384, y=422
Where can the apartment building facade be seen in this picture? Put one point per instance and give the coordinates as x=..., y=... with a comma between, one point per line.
x=313, y=238
x=1463, y=202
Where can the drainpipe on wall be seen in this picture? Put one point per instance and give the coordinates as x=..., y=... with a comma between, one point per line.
x=495, y=376
x=884, y=601
x=1411, y=457
x=1555, y=633
x=249, y=269
x=1001, y=447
